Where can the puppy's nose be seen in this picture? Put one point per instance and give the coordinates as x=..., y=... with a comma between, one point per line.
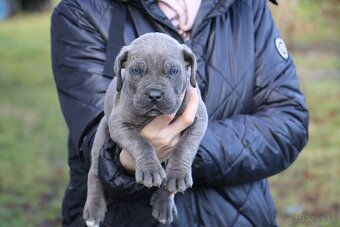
x=154, y=95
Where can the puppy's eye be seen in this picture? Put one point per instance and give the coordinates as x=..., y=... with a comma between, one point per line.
x=173, y=71
x=135, y=71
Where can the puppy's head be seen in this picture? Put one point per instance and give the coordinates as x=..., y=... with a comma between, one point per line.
x=158, y=70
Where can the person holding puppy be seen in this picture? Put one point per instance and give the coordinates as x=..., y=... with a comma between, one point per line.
x=258, y=119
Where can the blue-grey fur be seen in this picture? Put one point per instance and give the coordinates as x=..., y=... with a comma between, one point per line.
x=127, y=109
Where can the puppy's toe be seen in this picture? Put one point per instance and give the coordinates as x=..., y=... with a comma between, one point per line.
x=171, y=184
x=163, y=217
x=157, y=179
x=155, y=212
x=181, y=185
x=148, y=181
x=139, y=175
x=188, y=181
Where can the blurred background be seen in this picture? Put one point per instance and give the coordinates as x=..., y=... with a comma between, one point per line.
x=33, y=154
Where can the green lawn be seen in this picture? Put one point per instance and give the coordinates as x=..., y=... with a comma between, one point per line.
x=33, y=162
x=311, y=186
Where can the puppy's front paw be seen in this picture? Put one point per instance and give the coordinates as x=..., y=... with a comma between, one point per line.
x=178, y=179
x=150, y=173
x=94, y=212
x=163, y=206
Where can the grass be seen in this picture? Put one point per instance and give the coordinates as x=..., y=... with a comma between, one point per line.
x=310, y=187
x=33, y=155
x=33, y=170
x=315, y=21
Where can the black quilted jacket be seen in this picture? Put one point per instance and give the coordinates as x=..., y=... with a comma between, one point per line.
x=258, y=116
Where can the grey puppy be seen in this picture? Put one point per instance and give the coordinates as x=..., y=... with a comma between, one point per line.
x=157, y=71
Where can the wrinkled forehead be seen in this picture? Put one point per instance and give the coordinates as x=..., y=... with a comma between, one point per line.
x=155, y=50
x=155, y=45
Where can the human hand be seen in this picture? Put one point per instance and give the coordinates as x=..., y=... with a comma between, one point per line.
x=163, y=135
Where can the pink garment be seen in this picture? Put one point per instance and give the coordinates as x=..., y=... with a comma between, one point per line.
x=181, y=13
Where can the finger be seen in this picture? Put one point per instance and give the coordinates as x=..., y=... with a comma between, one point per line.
x=188, y=116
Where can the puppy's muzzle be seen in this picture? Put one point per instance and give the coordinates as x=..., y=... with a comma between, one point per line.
x=154, y=95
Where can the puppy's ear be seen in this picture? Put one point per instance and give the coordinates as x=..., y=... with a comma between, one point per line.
x=190, y=58
x=119, y=64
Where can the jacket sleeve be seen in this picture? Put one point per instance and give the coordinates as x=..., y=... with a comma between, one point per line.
x=78, y=55
x=78, y=48
x=247, y=148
